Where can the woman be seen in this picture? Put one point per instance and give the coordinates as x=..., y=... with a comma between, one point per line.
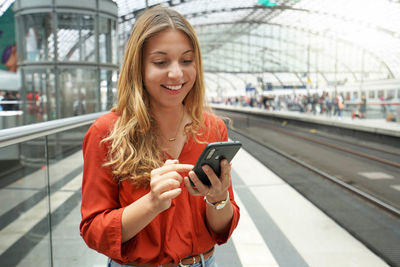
x=363, y=106
x=138, y=206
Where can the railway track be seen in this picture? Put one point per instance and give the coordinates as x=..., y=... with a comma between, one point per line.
x=360, y=157
x=336, y=145
x=371, y=220
x=393, y=210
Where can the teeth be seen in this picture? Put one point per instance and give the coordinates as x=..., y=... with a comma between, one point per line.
x=177, y=87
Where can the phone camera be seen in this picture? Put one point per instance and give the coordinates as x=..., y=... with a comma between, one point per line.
x=210, y=153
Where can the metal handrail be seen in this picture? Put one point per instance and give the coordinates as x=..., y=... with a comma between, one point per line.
x=28, y=132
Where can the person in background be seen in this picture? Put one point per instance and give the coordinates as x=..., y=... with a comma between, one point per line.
x=339, y=104
x=11, y=105
x=138, y=205
x=1, y=99
x=383, y=105
x=363, y=106
x=18, y=98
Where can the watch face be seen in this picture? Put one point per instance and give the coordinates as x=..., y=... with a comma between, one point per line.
x=220, y=205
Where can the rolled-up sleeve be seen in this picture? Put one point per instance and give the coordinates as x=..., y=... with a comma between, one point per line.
x=101, y=212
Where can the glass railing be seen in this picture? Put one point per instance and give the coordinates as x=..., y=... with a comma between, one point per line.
x=40, y=193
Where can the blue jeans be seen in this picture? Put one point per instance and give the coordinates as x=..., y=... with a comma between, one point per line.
x=210, y=262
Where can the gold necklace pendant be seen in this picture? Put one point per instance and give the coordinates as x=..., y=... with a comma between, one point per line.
x=172, y=139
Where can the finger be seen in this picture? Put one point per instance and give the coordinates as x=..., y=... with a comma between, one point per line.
x=190, y=188
x=172, y=175
x=165, y=185
x=172, y=167
x=171, y=161
x=225, y=172
x=171, y=194
x=169, y=175
x=214, y=179
x=202, y=188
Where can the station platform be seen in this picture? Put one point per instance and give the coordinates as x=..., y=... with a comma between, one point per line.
x=278, y=226
x=377, y=125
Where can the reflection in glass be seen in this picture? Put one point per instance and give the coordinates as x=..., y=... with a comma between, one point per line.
x=65, y=172
x=108, y=90
x=107, y=40
x=40, y=102
x=114, y=45
x=39, y=38
x=75, y=37
x=40, y=184
x=78, y=92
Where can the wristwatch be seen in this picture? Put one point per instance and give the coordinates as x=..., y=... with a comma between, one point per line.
x=218, y=205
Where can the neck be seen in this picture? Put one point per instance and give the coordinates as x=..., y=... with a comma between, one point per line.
x=167, y=115
x=170, y=122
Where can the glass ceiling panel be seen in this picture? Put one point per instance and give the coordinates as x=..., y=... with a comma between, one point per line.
x=4, y=4
x=341, y=39
x=220, y=17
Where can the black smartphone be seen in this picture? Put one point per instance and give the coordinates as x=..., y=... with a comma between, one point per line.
x=212, y=155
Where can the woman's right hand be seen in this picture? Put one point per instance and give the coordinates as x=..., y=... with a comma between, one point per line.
x=165, y=184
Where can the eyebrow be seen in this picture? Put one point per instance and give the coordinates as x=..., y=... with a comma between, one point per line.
x=164, y=53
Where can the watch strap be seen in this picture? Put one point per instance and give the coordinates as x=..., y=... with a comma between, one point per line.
x=218, y=205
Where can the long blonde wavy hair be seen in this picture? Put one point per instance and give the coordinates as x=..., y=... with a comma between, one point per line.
x=133, y=149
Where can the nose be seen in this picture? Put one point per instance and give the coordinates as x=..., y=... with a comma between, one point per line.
x=175, y=71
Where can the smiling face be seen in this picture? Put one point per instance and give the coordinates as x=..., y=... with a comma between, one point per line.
x=169, y=68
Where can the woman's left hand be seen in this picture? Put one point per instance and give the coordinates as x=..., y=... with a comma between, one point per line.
x=219, y=185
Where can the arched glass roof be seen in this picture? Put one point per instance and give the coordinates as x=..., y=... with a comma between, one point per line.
x=286, y=42
x=290, y=42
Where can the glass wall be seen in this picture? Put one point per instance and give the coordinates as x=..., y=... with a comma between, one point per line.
x=71, y=74
x=108, y=39
x=76, y=37
x=65, y=172
x=79, y=91
x=108, y=89
x=40, y=192
x=38, y=38
x=24, y=212
x=39, y=91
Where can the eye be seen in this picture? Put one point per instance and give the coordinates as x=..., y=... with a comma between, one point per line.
x=159, y=63
x=187, y=61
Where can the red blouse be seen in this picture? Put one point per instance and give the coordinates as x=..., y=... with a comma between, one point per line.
x=174, y=234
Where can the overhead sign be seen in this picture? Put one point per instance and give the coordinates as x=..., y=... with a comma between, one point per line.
x=267, y=3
